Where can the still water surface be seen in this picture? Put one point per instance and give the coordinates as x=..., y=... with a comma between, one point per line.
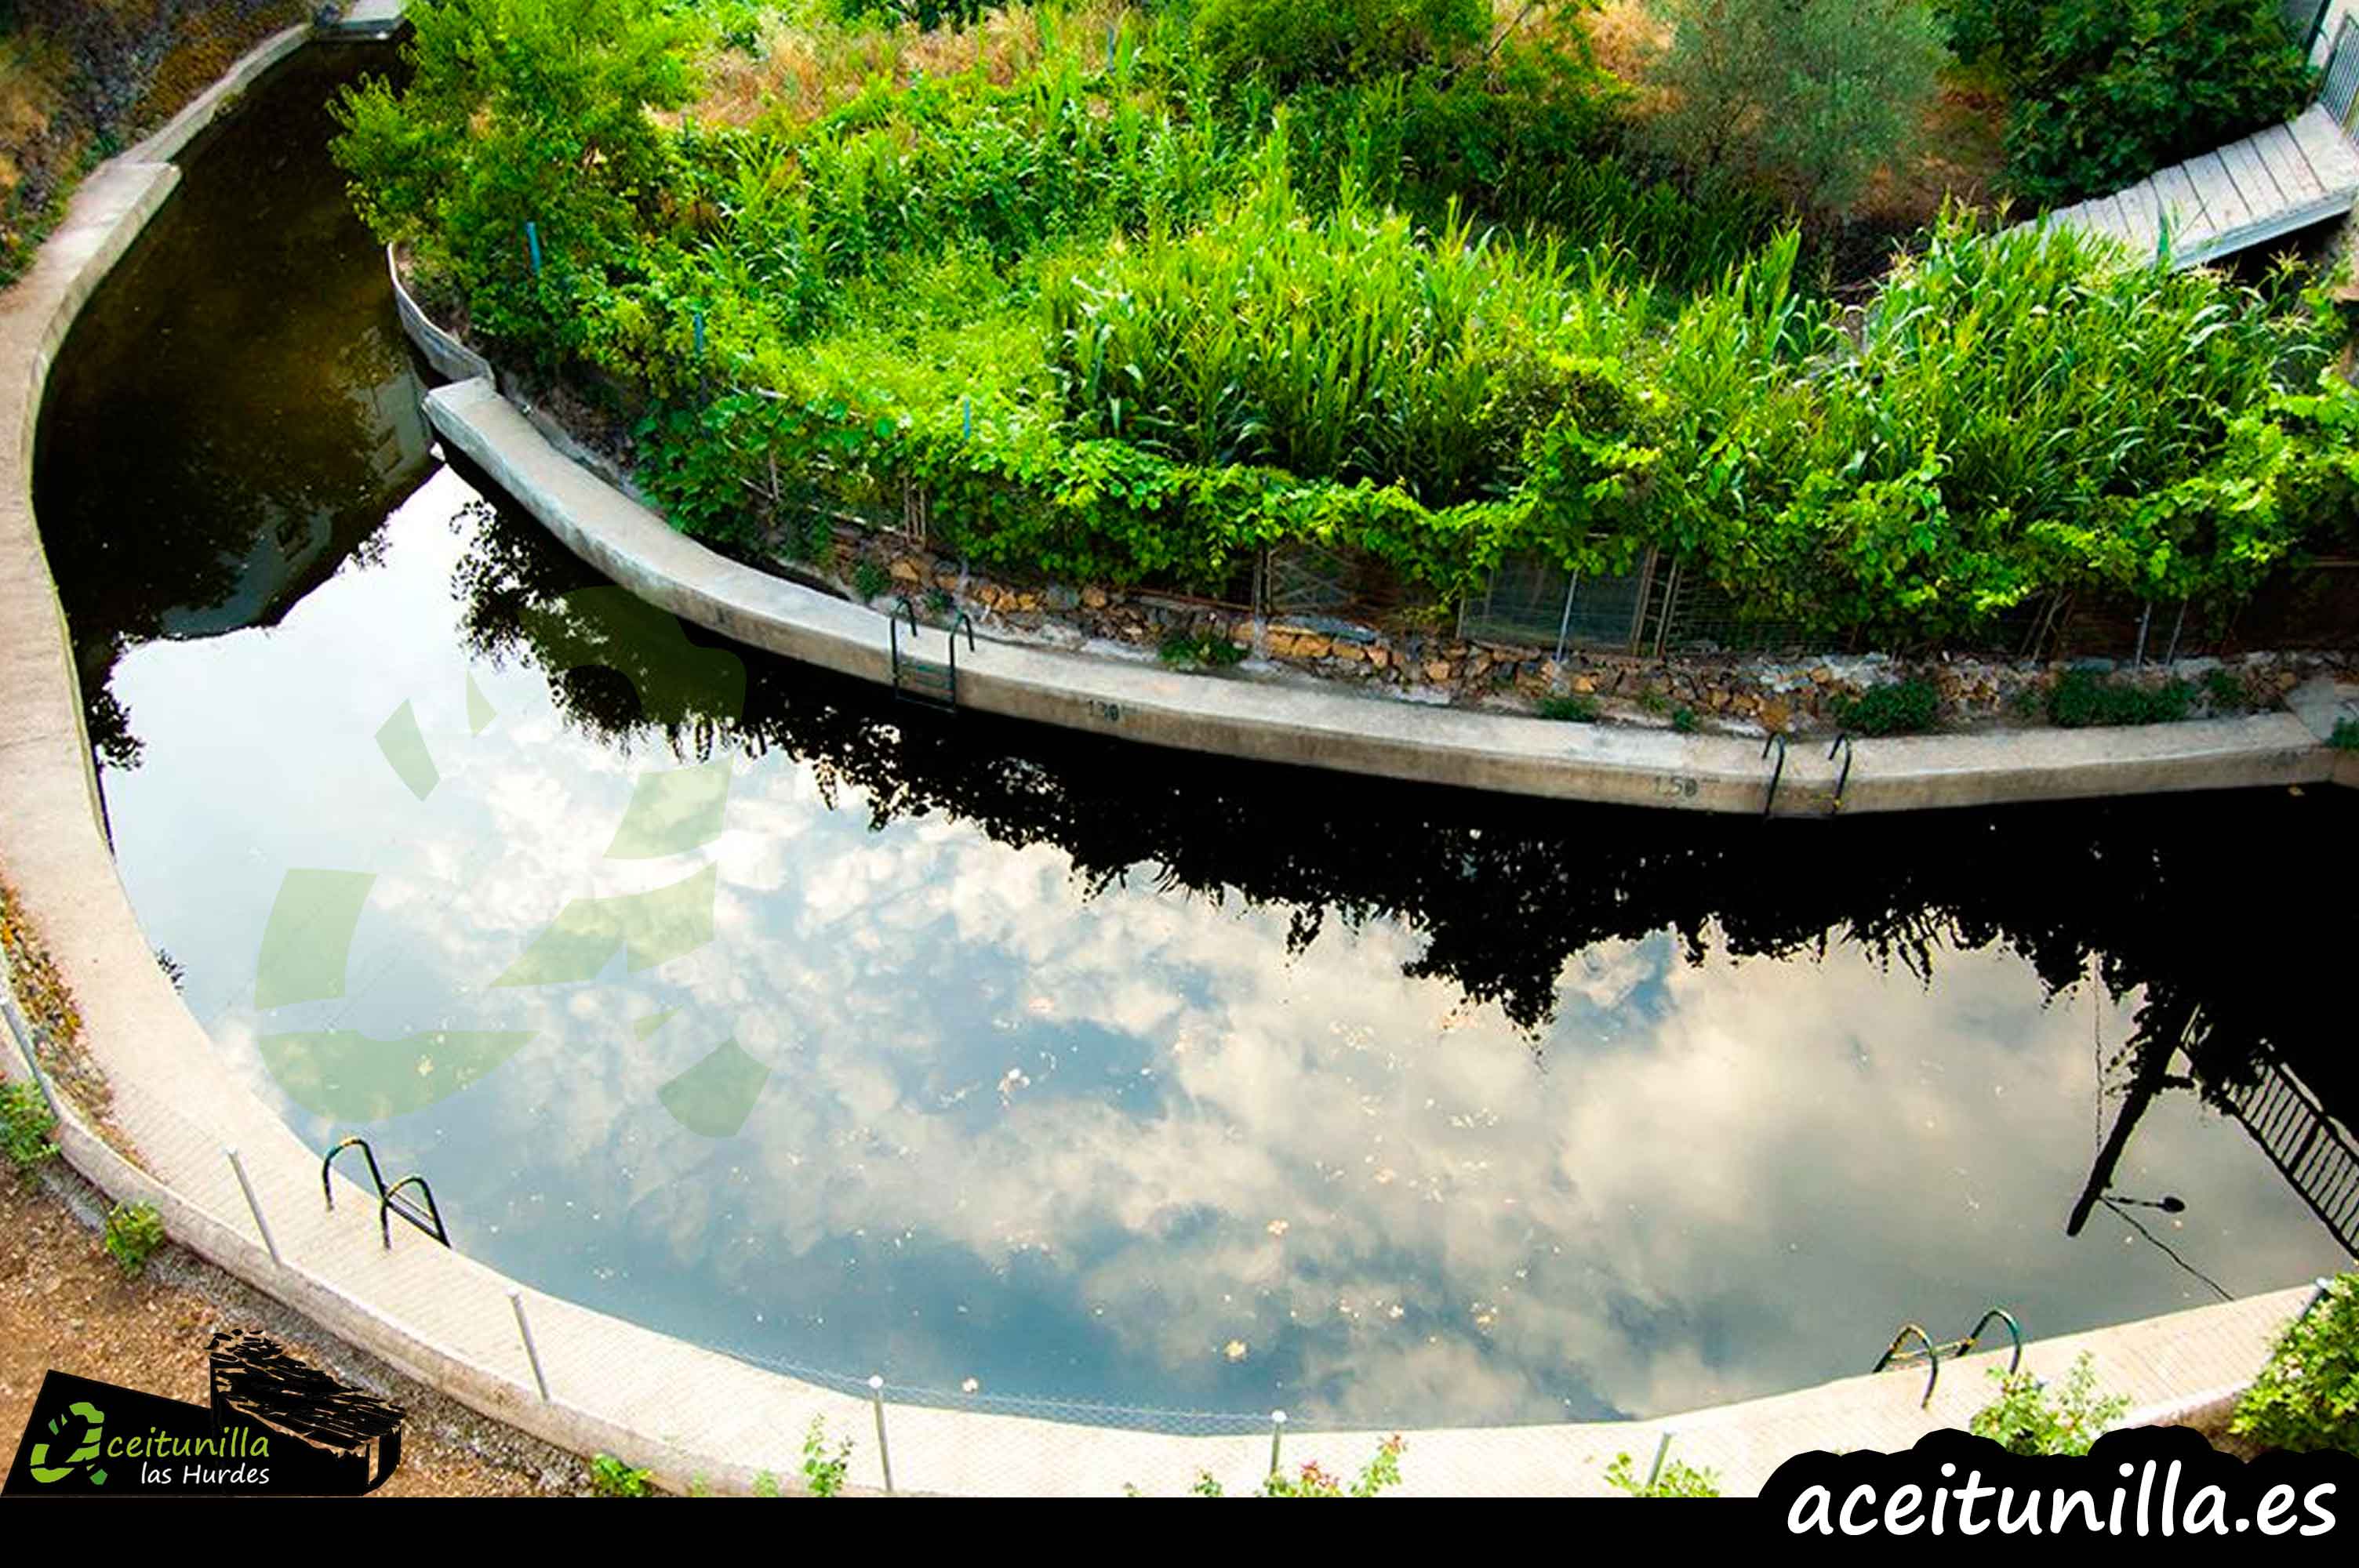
x=1066, y=1068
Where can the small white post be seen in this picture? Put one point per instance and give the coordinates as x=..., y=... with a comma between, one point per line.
x=883, y=1455
x=255, y=1204
x=1662, y=1452
x=531, y=1351
x=1277, y=1433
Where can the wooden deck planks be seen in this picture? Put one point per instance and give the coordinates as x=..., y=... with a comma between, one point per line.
x=2263, y=196
x=2222, y=202
x=2276, y=150
x=2274, y=182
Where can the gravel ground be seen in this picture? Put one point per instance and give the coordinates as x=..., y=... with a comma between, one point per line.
x=64, y=1305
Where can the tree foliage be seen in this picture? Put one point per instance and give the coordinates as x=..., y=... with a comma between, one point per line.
x=2104, y=91
x=1810, y=97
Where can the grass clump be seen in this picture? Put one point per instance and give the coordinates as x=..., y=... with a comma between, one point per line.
x=2082, y=699
x=1198, y=650
x=1571, y=707
x=1907, y=707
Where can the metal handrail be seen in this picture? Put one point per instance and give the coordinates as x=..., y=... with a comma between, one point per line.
x=892, y=625
x=387, y=1208
x=1932, y=1354
x=1842, y=743
x=1777, y=774
x=377, y=1176
x=967, y=621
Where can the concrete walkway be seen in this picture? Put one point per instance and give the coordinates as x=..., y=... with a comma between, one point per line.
x=2268, y=185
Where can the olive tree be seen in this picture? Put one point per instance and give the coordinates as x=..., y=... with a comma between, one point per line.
x=1807, y=97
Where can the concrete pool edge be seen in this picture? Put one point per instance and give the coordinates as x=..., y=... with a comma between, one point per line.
x=633, y=546
x=684, y=1411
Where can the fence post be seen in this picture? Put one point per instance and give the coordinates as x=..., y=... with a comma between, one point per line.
x=883, y=1455
x=531, y=1351
x=1277, y=1433
x=1662, y=1452
x=255, y=1204
x=532, y=243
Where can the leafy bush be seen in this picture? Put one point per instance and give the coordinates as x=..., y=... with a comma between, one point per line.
x=134, y=1232
x=2030, y=1417
x=2085, y=699
x=2345, y=735
x=1290, y=44
x=2306, y=1396
x=1907, y=707
x=26, y=1123
x=612, y=1477
x=1808, y=97
x=2104, y=92
x=1676, y=1479
x=1380, y=1474
x=869, y=579
x=824, y=1469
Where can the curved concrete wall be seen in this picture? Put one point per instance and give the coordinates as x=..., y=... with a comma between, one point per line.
x=1351, y=733
x=684, y=1411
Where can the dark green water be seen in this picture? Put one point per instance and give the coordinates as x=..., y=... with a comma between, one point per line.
x=1078, y=1070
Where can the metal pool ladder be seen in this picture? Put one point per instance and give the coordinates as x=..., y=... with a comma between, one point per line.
x=1925, y=1350
x=390, y=1201
x=922, y=680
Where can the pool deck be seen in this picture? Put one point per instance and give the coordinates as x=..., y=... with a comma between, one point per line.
x=686, y=1412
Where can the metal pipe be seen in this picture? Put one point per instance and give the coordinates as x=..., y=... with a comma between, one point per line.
x=531, y=1351
x=255, y=1204
x=883, y=1455
x=1277, y=1432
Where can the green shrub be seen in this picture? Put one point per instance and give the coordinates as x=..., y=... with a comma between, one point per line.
x=2101, y=93
x=824, y=1469
x=2307, y=1397
x=2346, y=736
x=869, y=579
x=1683, y=720
x=1210, y=649
x=2083, y=698
x=26, y=1123
x=1288, y=43
x=1808, y=97
x=1676, y=1479
x=134, y=1232
x=2030, y=1417
x=1906, y=707
x=2226, y=691
x=612, y=1477
x=1380, y=1474
x=1573, y=708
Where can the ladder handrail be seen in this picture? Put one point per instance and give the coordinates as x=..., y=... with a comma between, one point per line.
x=1931, y=1354
x=389, y=1201
x=377, y=1176
x=387, y=1208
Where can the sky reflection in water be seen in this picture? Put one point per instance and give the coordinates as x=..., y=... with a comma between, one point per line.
x=1123, y=1147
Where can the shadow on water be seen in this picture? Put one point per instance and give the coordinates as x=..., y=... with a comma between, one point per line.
x=235, y=412
x=2161, y=894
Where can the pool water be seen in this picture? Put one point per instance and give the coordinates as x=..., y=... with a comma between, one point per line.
x=745, y=1002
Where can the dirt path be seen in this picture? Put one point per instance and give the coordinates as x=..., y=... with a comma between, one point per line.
x=64, y=1305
